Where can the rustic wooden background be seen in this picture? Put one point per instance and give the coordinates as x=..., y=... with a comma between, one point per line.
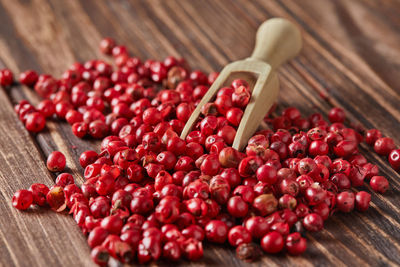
x=351, y=55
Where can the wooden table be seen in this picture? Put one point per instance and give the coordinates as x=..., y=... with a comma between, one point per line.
x=351, y=59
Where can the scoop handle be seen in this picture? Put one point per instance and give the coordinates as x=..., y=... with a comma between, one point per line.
x=277, y=41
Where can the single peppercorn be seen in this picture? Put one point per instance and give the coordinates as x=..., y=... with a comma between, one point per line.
x=372, y=135
x=379, y=184
x=239, y=235
x=100, y=255
x=313, y=222
x=336, y=115
x=39, y=192
x=28, y=78
x=35, y=122
x=362, y=200
x=216, y=231
x=64, y=179
x=384, y=145
x=22, y=199
x=6, y=77
x=394, y=159
x=295, y=244
x=88, y=157
x=56, y=161
x=272, y=242
x=345, y=201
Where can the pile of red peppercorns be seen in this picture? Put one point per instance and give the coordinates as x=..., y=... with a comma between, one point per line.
x=149, y=194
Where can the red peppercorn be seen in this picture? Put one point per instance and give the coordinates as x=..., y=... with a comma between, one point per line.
x=295, y=244
x=379, y=184
x=80, y=129
x=384, y=145
x=194, y=231
x=287, y=201
x=394, y=159
x=177, y=192
x=237, y=207
x=318, y=148
x=265, y=204
x=100, y=255
x=288, y=186
x=131, y=236
x=56, y=198
x=28, y=78
x=62, y=108
x=107, y=45
x=313, y=222
x=238, y=235
x=113, y=224
x=105, y=184
x=47, y=108
x=336, y=115
x=345, y=148
x=56, y=161
x=73, y=116
x=371, y=136
x=291, y=113
x=216, y=231
x=341, y=181
x=100, y=207
x=35, y=122
x=88, y=157
x=172, y=251
x=39, y=192
x=345, y=201
x=227, y=133
x=192, y=249
x=267, y=174
x=241, y=96
x=234, y=116
x=362, y=200
x=272, y=242
x=6, y=77
x=210, y=165
x=167, y=159
x=22, y=199
x=64, y=179
x=249, y=165
x=97, y=236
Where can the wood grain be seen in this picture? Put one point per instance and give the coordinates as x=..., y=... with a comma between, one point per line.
x=350, y=55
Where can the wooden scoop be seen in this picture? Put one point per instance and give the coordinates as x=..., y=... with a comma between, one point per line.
x=277, y=41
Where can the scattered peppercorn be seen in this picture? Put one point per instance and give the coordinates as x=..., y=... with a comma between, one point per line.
x=151, y=194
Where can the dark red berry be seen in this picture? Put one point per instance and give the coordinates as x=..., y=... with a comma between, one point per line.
x=35, y=122
x=394, y=159
x=379, y=184
x=216, y=231
x=345, y=201
x=337, y=115
x=6, y=77
x=28, y=78
x=239, y=235
x=295, y=244
x=56, y=161
x=272, y=242
x=362, y=200
x=384, y=145
x=371, y=136
x=22, y=199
